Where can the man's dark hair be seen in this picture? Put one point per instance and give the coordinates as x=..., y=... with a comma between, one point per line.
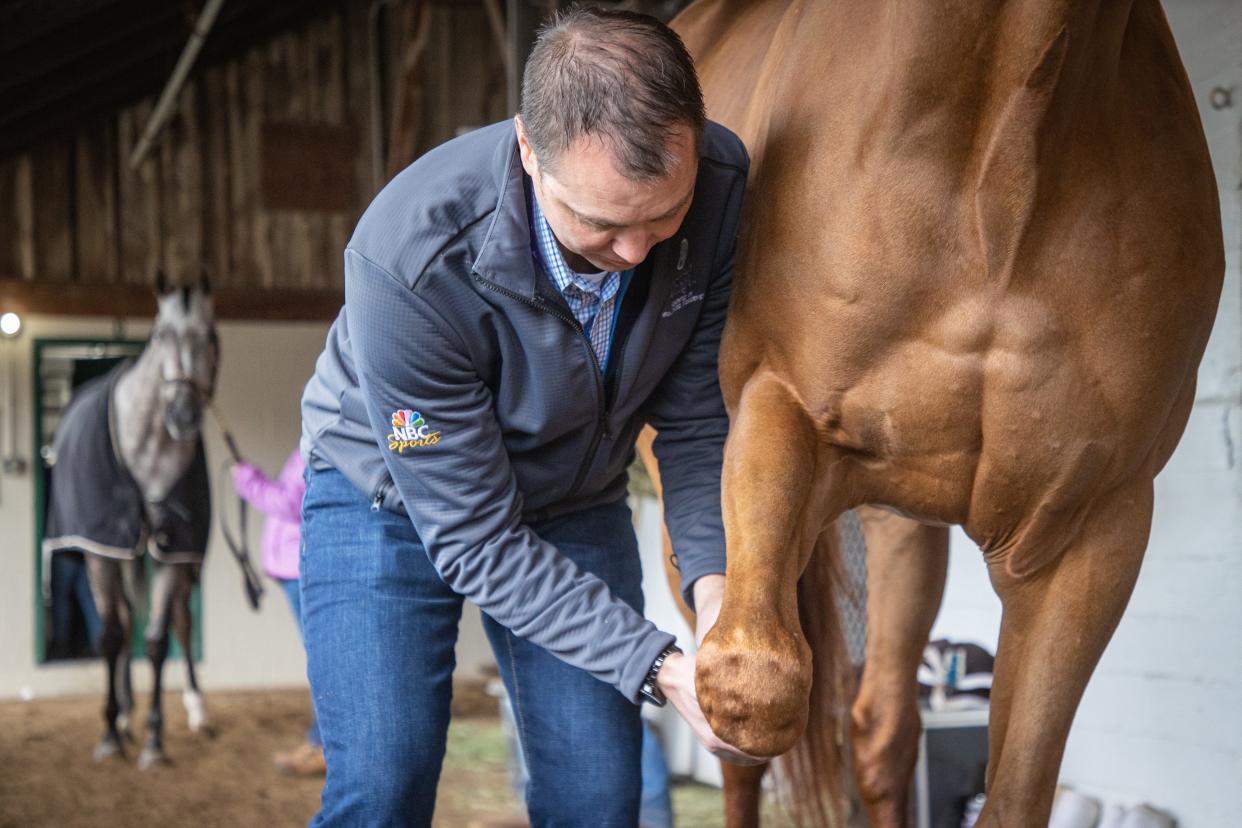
x=619, y=76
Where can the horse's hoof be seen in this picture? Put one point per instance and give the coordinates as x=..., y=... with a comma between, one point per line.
x=152, y=758
x=108, y=748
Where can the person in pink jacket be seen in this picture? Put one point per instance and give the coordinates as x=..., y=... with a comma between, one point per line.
x=281, y=501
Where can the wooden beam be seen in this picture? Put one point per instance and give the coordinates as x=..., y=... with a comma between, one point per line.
x=137, y=300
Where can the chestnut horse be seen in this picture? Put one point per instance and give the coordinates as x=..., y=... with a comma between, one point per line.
x=981, y=259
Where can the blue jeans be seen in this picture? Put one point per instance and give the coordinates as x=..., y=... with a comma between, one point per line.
x=380, y=630
x=71, y=586
x=656, y=809
x=290, y=586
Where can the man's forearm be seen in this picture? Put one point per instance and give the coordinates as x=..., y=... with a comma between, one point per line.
x=708, y=593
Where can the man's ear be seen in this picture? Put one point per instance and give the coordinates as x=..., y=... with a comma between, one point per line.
x=529, y=162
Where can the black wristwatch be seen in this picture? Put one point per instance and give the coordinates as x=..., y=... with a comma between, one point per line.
x=650, y=691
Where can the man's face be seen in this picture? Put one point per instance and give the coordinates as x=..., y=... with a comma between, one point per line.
x=600, y=216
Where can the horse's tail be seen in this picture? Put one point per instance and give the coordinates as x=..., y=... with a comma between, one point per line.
x=813, y=773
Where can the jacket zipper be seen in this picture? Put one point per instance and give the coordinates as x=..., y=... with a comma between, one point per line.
x=619, y=350
x=601, y=421
x=377, y=502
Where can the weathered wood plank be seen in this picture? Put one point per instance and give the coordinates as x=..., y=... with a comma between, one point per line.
x=214, y=113
x=356, y=49
x=139, y=202
x=10, y=233
x=251, y=248
x=24, y=213
x=181, y=190
x=278, y=106
x=334, y=73
x=302, y=226
x=52, y=177
x=326, y=105
x=97, y=222
x=420, y=24
x=306, y=167
x=476, y=80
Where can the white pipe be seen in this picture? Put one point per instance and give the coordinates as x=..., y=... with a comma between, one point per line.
x=202, y=26
x=13, y=449
x=10, y=402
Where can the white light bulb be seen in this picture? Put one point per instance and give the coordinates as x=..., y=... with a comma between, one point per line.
x=10, y=324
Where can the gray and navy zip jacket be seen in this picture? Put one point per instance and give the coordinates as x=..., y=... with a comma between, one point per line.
x=457, y=387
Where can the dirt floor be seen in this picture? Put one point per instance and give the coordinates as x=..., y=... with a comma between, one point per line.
x=47, y=777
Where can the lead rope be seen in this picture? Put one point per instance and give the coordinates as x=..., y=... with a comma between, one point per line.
x=237, y=543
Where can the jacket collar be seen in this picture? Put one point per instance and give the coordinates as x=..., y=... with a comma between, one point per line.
x=504, y=257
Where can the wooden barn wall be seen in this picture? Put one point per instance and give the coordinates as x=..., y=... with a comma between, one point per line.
x=261, y=173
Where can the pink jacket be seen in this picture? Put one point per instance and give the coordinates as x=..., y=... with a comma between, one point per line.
x=281, y=501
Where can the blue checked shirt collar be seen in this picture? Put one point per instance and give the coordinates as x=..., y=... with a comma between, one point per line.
x=593, y=304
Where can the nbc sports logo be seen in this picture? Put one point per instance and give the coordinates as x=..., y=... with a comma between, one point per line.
x=410, y=430
x=409, y=425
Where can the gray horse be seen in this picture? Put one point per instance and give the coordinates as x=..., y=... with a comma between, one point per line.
x=130, y=476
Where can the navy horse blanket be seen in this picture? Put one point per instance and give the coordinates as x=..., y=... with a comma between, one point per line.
x=97, y=507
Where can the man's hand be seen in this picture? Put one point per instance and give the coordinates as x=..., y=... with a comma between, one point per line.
x=676, y=681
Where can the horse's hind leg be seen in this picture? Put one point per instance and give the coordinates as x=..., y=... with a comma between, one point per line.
x=163, y=594
x=906, y=567
x=1055, y=625
x=182, y=624
x=114, y=616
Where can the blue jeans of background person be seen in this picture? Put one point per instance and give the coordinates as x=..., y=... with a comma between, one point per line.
x=71, y=586
x=657, y=802
x=380, y=630
x=290, y=586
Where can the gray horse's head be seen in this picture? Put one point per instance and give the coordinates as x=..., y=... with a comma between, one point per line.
x=184, y=342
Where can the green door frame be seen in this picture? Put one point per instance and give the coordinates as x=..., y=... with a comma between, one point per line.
x=137, y=642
